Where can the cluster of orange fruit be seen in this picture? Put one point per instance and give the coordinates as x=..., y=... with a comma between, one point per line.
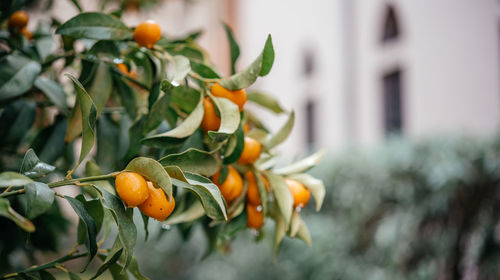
x=134, y=190
x=18, y=21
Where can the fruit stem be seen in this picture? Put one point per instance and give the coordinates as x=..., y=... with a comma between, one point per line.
x=51, y=264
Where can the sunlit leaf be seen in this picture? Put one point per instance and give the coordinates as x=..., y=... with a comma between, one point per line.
x=282, y=195
x=282, y=134
x=194, y=212
x=181, y=68
x=302, y=165
x=265, y=100
x=230, y=119
x=259, y=67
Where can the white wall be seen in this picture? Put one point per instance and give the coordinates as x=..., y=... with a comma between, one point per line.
x=295, y=26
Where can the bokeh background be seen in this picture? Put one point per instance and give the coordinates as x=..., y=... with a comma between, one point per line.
x=405, y=95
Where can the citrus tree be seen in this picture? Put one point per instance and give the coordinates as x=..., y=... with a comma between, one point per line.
x=159, y=129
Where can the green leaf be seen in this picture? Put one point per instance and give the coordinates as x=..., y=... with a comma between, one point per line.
x=44, y=41
x=236, y=144
x=263, y=192
x=89, y=115
x=49, y=143
x=14, y=179
x=17, y=75
x=145, y=221
x=127, y=231
x=234, y=49
x=316, y=187
x=279, y=233
x=265, y=100
x=193, y=160
x=77, y=5
x=15, y=122
x=96, y=26
x=259, y=67
x=181, y=68
x=94, y=208
x=194, y=212
x=157, y=113
x=230, y=119
x=101, y=87
x=303, y=233
x=8, y=212
x=282, y=195
x=282, y=134
x=91, y=228
x=185, y=129
x=112, y=257
x=73, y=276
x=153, y=171
x=203, y=70
x=32, y=166
x=133, y=268
x=53, y=90
x=39, y=198
x=295, y=224
x=44, y=275
x=302, y=165
x=208, y=193
x=185, y=98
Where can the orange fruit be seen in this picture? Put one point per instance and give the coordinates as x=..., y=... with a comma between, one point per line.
x=238, y=97
x=255, y=218
x=123, y=68
x=253, y=196
x=251, y=151
x=147, y=33
x=18, y=20
x=157, y=205
x=232, y=187
x=131, y=188
x=301, y=195
x=246, y=127
x=24, y=31
x=210, y=119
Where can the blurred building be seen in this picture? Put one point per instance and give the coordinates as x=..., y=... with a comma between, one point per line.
x=357, y=71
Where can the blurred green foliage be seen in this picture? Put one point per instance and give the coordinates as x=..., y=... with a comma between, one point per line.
x=426, y=210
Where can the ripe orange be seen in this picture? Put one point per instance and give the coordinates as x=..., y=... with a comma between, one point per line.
x=251, y=151
x=18, y=19
x=253, y=196
x=131, y=188
x=300, y=193
x=157, y=205
x=123, y=68
x=147, y=34
x=210, y=119
x=255, y=218
x=246, y=127
x=24, y=31
x=238, y=97
x=232, y=187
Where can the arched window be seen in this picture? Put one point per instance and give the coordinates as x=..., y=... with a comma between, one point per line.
x=391, y=26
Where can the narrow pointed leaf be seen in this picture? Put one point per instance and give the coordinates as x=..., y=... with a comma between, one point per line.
x=93, y=25
x=9, y=213
x=303, y=233
x=193, y=160
x=259, y=67
x=237, y=140
x=194, y=212
x=181, y=68
x=112, y=257
x=302, y=165
x=89, y=115
x=265, y=100
x=14, y=179
x=185, y=129
x=91, y=227
x=282, y=195
x=282, y=134
x=234, y=49
x=17, y=75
